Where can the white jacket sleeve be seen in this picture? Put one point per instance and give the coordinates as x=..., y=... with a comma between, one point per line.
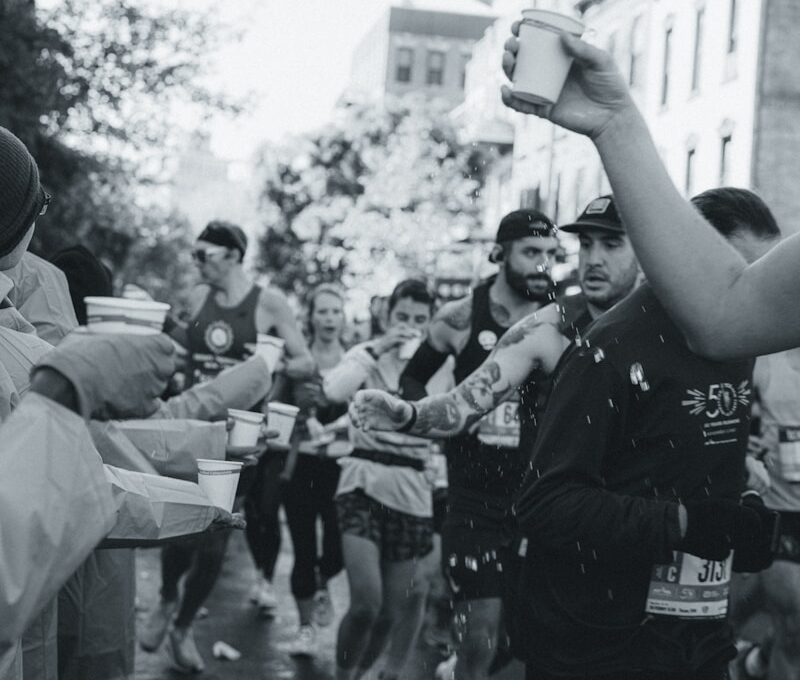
x=241, y=387
x=343, y=381
x=55, y=507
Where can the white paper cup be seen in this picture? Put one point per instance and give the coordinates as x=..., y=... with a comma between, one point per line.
x=218, y=479
x=409, y=348
x=281, y=417
x=246, y=427
x=120, y=315
x=542, y=64
x=271, y=348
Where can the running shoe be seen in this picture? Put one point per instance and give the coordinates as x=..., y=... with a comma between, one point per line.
x=323, y=608
x=447, y=669
x=155, y=626
x=749, y=656
x=305, y=643
x=263, y=596
x=183, y=651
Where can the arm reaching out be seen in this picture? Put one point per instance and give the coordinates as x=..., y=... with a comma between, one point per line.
x=527, y=345
x=298, y=364
x=725, y=308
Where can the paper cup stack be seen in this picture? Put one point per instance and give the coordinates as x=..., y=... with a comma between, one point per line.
x=271, y=348
x=218, y=479
x=120, y=315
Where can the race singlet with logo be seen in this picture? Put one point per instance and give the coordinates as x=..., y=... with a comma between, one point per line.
x=789, y=452
x=218, y=336
x=690, y=587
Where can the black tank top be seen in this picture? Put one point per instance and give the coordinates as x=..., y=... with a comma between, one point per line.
x=217, y=336
x=484, y=471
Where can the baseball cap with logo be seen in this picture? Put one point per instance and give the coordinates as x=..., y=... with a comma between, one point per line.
x=601, y=213
x=523, y=223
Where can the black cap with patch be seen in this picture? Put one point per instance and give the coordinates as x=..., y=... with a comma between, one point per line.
x=601, y=213
x=523, y=223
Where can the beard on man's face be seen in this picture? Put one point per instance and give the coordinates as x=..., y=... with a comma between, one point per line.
x=537, y=287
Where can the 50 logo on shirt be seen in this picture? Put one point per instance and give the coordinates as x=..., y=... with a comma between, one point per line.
x=720, y=400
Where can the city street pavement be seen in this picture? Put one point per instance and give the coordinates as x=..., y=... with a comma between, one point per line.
x=262, y=642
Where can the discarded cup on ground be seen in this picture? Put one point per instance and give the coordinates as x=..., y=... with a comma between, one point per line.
x=120, y=315
x=222, y=650
x=271, y=348
x=218, y=479
x=246, y=427
x=542, y=64
x=281, y=417
x=409, y=348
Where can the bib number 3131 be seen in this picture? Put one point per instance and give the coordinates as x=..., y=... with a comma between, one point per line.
x=690, y=587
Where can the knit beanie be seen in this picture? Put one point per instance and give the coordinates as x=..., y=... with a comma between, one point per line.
x=21, y=194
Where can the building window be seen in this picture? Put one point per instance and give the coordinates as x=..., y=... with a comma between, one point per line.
x=691, y=153
x=435, y=72
x=733, y=32
x=405, y=60
x=699, y=19
x=464, y=64
x=531, y=199
x=579, y=191
x=667, y=59
x=635, y=58
x=724, y=158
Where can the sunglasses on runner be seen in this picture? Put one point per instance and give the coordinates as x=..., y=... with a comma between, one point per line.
x=45, y=205
x=203, y=255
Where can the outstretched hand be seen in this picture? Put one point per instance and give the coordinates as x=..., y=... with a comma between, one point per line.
x=379, y=410
x=593, y=94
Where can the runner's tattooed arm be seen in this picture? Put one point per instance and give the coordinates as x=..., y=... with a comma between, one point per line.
x=450, y=326
x=529, y=344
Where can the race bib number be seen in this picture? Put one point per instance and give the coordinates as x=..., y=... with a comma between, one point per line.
x=690, y=587
x=789, y=453
x=501, y=426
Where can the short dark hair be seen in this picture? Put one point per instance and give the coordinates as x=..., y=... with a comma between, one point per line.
x=730, y=209
x=415, y=289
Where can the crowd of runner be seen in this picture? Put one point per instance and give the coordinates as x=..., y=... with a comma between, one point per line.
x=606, y=486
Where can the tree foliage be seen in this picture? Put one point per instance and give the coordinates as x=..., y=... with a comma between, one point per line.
x=370, y=198
x=90, y=87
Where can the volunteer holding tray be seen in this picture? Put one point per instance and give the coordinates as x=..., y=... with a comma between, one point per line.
x=228, y=312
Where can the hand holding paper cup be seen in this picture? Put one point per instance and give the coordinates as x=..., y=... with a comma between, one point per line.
x=218, y=479
x=542, y=64
x=246, y=427
x=409, y=348
x=281, y=417
x=271, y=348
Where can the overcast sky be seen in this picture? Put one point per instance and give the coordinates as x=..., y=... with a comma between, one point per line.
x=294, y=56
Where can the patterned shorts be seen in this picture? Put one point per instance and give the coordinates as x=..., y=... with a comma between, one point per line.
x=399, y=536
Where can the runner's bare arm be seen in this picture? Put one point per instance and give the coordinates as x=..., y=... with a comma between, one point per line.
x=447, y=334
x=274, y=313
x=725, y=308
x=197, y=296
x=527, y=345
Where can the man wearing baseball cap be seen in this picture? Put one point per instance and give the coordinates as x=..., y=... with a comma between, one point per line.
x=607, y=266
x=484, y=464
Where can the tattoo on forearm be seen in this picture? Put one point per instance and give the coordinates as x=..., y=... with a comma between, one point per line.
x=458, y=317
x=519, y=331
x=499, y=313
x=437, y=414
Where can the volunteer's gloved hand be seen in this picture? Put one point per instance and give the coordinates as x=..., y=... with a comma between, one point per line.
x=716, y=526
x=114, y=376
x=224, y=520
x=379, y=410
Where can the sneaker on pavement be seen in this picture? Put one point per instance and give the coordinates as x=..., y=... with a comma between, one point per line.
x=155, y=626
x=305, y=643
x=323, y=608
x=183, y=651
x=447, y=669
x=265, y=598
